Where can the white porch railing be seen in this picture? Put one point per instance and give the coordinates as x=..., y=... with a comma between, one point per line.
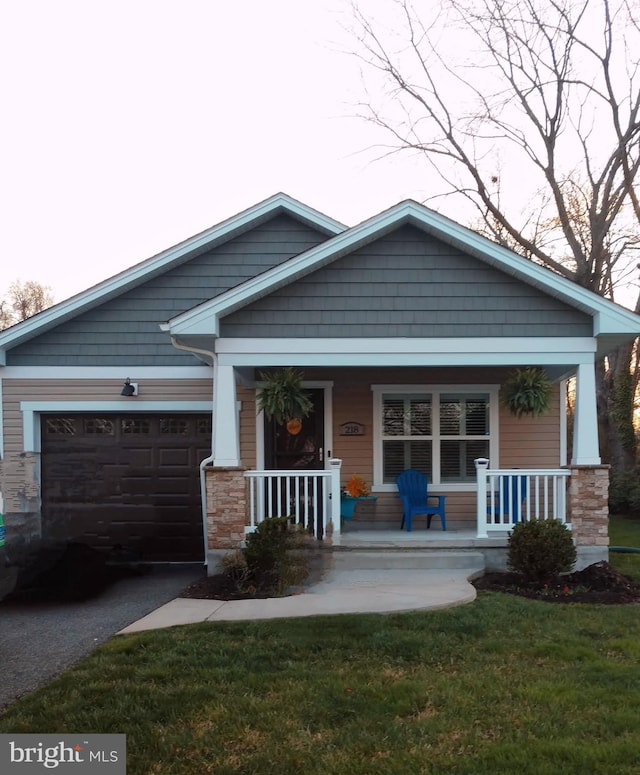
x=508, y=496
x=310, y=498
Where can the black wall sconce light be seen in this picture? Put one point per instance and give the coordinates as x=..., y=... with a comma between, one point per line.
x=129, y=388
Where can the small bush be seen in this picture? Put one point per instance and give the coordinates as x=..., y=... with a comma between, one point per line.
x=275, y=555
x=234, y=566
x=540, y=550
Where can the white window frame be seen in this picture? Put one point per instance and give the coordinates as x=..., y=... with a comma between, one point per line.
x=434, y=391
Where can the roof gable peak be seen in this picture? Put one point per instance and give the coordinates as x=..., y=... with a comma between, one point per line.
x=279, y=203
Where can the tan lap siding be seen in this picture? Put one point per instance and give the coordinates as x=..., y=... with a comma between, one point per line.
x=531, y=442
x=247, y=398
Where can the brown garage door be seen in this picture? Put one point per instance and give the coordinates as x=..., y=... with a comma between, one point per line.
x=130, y=480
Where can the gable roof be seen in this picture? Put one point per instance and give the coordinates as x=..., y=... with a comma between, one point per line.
x=114, y=286
x=613, y=324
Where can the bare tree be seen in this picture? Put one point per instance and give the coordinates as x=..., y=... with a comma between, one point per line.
x=23, y=300
x=528, y=111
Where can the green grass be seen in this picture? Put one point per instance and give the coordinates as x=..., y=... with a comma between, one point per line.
x=625, y=531
x=501, y=687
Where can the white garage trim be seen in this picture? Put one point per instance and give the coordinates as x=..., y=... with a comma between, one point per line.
x=31, y=411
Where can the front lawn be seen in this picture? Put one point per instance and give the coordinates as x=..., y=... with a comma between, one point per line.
x=625, y=531
x=502, y=686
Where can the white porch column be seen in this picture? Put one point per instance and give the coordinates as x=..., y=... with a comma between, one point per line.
x=585, y=421
x=226, y=436
x=335, y=465
x=481, y=465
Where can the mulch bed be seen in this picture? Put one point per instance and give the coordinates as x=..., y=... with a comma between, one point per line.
x=222, y=587
x=599, y=583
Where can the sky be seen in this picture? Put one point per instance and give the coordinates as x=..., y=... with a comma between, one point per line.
x=132, y=125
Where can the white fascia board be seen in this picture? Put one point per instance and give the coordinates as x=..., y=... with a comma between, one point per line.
x=130, y=277
x=304, y=359
x=410, y=345
x=200, y=321
x=124, y=406
x=135, y=373
x=510, y=351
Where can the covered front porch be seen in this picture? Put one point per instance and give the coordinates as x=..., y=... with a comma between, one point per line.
x=427, y=401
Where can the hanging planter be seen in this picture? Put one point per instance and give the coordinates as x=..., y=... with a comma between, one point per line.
x=283, y=399
x=527, y=392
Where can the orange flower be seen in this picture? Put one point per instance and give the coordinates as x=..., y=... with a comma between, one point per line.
x=356, y=487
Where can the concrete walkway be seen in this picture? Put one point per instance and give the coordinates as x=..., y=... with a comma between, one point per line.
x=341, y=592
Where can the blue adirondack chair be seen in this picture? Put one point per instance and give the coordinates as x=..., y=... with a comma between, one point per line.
x=413, y=490
x=513, y=491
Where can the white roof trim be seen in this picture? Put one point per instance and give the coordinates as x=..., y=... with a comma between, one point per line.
x=609, y=318
x=121, y=282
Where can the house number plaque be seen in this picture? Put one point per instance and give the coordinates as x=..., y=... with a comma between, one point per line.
x=352, y=429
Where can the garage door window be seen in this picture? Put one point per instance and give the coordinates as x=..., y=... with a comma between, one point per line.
x=99, y=425
x=204, y=427
x=60, y=426
x=174, y=426
x=135, y=427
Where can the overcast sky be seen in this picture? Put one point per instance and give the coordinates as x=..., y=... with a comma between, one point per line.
x=131, y=125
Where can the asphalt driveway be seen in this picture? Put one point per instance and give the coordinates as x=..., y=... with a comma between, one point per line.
x=40, y=640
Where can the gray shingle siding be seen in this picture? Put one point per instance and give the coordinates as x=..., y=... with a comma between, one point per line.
x=412, y=285
x=124, y=331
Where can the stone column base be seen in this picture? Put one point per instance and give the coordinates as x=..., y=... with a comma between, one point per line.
x=226, y=512
x=588, y=506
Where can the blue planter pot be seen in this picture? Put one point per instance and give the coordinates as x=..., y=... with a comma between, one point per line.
x=348, y=504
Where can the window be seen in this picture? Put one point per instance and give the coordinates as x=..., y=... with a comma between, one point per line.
x=438, y=430
x=60, y=426
x=174, y=425
x=99, y=425
x=131, y=427
x=406, y=434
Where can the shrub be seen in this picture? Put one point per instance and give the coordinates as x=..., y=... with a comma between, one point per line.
x=540, y=550
x=275, y=555
x=234, y=566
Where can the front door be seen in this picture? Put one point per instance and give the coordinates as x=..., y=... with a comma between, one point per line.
x=303, y=449
x=298, y=449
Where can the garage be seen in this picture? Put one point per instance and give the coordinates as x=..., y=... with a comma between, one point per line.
x=129, y=483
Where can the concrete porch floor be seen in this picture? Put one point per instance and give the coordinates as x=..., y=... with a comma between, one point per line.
x=417, y=539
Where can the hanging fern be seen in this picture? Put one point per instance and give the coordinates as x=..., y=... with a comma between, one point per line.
x=527, y=392
x=282, y=397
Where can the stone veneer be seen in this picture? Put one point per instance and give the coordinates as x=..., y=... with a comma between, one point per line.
x=588, y=507
x=226, y=508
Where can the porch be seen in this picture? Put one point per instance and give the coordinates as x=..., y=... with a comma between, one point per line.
x=437, y=420
x=575, y=495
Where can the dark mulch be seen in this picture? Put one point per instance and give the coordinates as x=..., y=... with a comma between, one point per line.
x=598, y=583
x=223, y=587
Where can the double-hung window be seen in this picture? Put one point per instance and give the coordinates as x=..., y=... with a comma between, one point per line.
x=437, y=430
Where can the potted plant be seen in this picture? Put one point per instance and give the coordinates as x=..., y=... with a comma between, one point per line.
x=527, y=392
x=354, y=491
x=283, y=399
